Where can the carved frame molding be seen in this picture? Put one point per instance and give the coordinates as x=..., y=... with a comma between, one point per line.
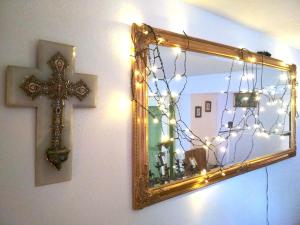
x=142, y=36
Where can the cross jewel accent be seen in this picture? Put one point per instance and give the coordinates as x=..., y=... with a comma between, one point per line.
x=58, y=89
x=54, y=89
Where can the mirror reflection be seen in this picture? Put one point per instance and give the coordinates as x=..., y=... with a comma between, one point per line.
x=206, y=113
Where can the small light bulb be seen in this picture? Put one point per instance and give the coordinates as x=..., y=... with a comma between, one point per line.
x=205, y=147
x=233, y=134
x=223, y=174
x=177, y=76
x=245, y=99
x=155, y=121
x=255, y=126
x=160, y=40
x=283, y=77
x=203, y=172
x=177, y=50
x=220, y=139
x=164, y=93
x=165, y=138
x=174, y=94
x=154, y=69
x=172, y=121
x=222, y=149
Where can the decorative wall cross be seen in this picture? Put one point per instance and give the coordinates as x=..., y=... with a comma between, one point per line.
x=54, y=89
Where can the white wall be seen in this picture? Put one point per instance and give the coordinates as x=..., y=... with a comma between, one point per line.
x=100, y=191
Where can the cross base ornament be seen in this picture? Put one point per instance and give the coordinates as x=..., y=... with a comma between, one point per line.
x=54, y=98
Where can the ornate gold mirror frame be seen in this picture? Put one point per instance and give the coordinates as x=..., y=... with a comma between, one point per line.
x=142, y=36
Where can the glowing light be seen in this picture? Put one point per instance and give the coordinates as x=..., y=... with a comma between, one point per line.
x=283, y=77
x=177, y=76
x=155, y=121
x=220, y=139
x=177, y=50
x=164, y=93
x=161, y=107
x=160, y=40
x=222, y=149
x=276, y=130
x=206, y=181
x=223, y=174
x=172, y=121
x=205, y=147
x=165, y=138
x=174, y=94
x=252, y=59
x=245, y=99
x=262, y=109
x=128, y=14
x=233, y=134
x=203, y=172
x=255, y=126
x=279, y=124
x=154, y=69
x=138, y=85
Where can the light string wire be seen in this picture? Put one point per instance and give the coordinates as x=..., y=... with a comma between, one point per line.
x=165, y=98
x=267, y=196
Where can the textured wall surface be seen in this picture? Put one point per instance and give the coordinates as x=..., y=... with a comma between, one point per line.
x=100, y=191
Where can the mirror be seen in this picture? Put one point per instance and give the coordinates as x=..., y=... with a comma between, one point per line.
x=204, y=112
x=207, y=113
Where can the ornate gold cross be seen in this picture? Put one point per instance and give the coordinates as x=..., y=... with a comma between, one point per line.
x=58, y=89
x=54, y=89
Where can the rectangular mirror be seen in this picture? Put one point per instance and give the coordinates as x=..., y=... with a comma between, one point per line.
x=204, y=112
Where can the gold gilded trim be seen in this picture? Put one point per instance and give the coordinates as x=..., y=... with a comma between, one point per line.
x=143, y=195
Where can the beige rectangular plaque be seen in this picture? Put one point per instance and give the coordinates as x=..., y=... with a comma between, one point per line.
x=54, y=89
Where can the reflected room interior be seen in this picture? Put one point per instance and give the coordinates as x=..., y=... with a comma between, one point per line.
x=207, y=113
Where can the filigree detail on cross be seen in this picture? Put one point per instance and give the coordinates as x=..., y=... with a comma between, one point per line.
x=58, y=89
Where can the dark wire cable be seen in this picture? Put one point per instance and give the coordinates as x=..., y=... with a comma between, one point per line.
x=267, y=196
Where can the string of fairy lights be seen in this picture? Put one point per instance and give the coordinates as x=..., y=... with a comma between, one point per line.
x=233, y=124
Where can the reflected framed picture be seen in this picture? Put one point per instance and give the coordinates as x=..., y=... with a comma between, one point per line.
x=198, y=111
x=245, y=100
x=207, y=106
